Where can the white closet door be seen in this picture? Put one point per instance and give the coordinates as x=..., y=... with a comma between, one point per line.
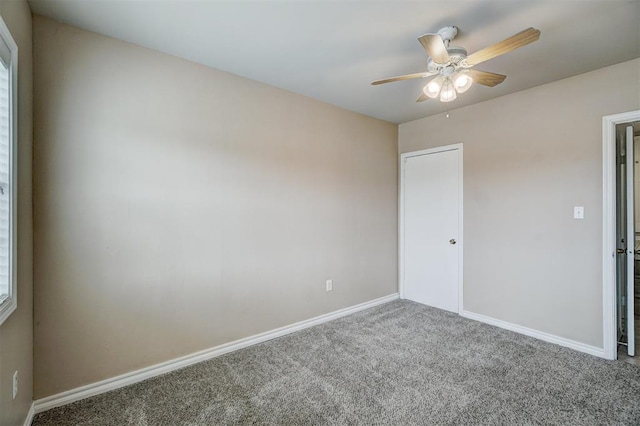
x=431, y=212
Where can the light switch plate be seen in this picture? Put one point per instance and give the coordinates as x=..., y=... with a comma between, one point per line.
x=578, y=212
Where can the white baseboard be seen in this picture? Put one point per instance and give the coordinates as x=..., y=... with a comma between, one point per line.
x=30, y=415
x=132, y=377
x=592, y=350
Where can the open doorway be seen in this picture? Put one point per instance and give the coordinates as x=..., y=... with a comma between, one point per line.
x=621, y=247
x=627, y=238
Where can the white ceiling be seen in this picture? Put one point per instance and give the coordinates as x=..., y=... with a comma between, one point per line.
x=332, y=50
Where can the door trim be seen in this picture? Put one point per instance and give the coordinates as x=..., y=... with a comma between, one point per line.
x=609, y=308
x=460, y=241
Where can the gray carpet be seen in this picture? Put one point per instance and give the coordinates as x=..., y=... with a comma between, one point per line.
x=397, y=364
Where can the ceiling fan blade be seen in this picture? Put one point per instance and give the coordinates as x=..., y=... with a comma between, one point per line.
x=435, y=48
x=486, y=78
x=402, y=77
x=422, y=97
x=505, y=46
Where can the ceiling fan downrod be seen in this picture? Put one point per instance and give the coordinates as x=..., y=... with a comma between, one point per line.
x=448, y=33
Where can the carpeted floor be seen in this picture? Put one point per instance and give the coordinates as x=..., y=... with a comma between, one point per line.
x=397, y=364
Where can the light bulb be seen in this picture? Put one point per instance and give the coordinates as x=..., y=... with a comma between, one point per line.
x=432, y=89
x=462, y=82
x=448, y=92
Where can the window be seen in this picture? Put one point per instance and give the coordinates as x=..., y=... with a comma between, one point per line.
x=8, y=137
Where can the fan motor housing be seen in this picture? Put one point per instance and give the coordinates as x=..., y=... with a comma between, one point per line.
x=456, y=55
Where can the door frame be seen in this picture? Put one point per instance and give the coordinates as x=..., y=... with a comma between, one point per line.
x=609, y=307
x=403, y=158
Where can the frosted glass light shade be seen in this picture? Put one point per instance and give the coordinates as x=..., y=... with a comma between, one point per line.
x=462, y=82
x=448, y=92
x=432, y=89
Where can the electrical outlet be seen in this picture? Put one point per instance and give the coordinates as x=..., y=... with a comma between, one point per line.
x=15, y=384
x=329, y=285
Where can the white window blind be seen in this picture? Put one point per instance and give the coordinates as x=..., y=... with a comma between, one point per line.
x=8, y=121
x=5, y=173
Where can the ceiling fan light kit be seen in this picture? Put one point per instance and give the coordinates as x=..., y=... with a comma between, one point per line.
x=448, y=84
x=452, y=66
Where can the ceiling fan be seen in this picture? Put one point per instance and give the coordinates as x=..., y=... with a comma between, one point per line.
x=453, y=67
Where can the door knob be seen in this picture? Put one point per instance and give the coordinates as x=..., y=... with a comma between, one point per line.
x=621, y=251
x=452, y=241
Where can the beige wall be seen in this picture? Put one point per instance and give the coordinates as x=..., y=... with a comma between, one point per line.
x=529, y=157
x=179, y=207
x=16, y=333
